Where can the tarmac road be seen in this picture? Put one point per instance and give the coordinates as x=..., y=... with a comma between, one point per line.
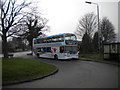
x=75, y=74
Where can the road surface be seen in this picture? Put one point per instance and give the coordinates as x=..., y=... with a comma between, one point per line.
x=74, y=74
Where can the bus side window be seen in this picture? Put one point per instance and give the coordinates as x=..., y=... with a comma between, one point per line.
x=49, y=40
x=38, y=49
x=41, y=41
x=38, y=40
x=48, y=49
x=59, y=39
x=44, y=41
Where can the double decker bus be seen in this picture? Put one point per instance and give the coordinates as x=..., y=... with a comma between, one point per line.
x=60, y=46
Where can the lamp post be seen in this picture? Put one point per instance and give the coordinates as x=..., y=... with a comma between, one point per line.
x=99, y=32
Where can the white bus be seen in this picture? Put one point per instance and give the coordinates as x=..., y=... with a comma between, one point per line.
x=60, y=46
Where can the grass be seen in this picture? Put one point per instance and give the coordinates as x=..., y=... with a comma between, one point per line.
x=91, y=56
x=98, y=57
x=19, y=69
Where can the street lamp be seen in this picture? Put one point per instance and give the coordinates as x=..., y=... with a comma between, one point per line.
x=99, y=32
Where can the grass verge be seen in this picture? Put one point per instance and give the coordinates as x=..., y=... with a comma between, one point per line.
x=19, y=69
x=96, y=57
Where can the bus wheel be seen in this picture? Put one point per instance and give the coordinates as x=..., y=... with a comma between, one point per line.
x=55, y=57
x=38, y=55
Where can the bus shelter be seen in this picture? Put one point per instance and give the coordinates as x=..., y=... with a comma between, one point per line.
x=112, y=51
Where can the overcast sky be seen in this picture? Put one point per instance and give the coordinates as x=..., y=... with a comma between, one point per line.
x=63, y=15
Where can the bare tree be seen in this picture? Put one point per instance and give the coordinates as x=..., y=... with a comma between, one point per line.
x=87, y=24
x=35, y=26
x=107, y=30
x=11, y=15
x=86, y=29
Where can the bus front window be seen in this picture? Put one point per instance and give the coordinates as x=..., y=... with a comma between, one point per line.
x=71, y=49
x=70, y=37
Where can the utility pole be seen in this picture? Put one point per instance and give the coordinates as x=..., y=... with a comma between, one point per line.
x=99, y=31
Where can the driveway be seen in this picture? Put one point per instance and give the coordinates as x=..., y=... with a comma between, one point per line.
x=74, y=74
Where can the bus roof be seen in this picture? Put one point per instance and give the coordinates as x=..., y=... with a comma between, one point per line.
x=51, y=36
